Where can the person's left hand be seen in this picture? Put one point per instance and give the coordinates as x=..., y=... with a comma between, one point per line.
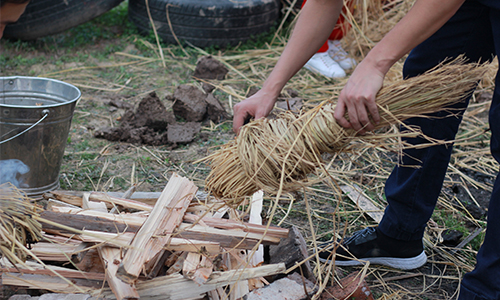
x=357, y=99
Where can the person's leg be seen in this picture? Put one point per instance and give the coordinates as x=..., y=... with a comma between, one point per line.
x=483, y=282
x=413, y=187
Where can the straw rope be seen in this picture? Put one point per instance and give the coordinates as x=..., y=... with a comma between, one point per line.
x=278, y=154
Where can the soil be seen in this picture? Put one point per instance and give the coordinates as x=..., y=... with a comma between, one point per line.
x=153, y=124
x=166, y=119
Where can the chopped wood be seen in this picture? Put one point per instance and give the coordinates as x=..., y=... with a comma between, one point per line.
x=156, y=231
x=179, y=236
x=177, y=287
x=51, y=283
x=55, y=252
x=75, y=197
x=111, y=258
x=197, y=267
x=274, y=231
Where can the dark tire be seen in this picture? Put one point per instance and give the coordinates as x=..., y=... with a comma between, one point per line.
x=47, y=17
x=205, y=23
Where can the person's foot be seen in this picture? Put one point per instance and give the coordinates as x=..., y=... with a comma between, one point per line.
x=323, y=64
x=338, y=54
x=372, y=245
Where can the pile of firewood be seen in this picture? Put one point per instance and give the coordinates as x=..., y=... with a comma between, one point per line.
x=179, y=245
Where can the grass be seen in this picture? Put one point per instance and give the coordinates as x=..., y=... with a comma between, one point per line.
x=91, y=56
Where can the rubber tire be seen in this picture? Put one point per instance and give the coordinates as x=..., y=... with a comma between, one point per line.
x=47, y=17
x=205, y=23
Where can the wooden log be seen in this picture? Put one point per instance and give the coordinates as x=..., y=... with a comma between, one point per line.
x=84, y=219
x=75, y=197
x=87, y=220
x=202, y=233
x=177, y=287
x=197, y=267
x=156, y=231
x=232, y=224
x=33, y=275
x=55, y=252
x=51, y=283
x=226, y=238
x=111, y=259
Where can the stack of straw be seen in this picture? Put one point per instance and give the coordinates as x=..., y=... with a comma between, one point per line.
x=277, y=155
x=18, y=226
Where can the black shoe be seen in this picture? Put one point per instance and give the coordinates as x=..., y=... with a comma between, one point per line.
x=372, y=245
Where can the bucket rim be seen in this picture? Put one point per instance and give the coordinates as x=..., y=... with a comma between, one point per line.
x=76, y=98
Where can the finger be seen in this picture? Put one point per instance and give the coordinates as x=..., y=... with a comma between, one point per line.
x=339, y=115
x=238, y=121
x=373, y=109
x=364, y=120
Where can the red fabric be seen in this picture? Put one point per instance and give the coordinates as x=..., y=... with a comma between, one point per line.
x=340, y=28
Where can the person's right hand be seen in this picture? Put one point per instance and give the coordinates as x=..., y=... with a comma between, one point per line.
x=257, y=106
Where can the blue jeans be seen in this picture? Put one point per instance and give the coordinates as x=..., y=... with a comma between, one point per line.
x=412, y=192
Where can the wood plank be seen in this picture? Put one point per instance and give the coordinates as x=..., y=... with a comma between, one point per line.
x=158, y=228
x=363, y=202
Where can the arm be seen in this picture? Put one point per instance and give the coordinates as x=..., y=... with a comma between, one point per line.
x=316, y=22
x=358, y=96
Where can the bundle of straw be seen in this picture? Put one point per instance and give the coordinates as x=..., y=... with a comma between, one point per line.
x=18, y=226
x=278, y=154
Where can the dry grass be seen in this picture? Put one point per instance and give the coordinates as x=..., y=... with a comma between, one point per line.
x=319, y=210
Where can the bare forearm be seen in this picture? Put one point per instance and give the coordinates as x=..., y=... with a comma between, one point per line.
x=316, y=21
x=425, y=18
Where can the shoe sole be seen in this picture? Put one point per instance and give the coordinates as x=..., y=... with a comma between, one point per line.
x=397, y=263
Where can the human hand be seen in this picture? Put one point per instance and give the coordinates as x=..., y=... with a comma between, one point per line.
x=357, y=99
x=258, y=106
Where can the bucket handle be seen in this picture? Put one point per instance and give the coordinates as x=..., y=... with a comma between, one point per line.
x=45, y=113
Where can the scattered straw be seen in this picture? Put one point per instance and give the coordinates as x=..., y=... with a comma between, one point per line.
x=278, y=154
x=18, y=228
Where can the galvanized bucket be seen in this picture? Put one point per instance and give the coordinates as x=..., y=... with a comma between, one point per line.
x=35, y=117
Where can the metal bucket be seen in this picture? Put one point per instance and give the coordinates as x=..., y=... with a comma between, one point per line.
x=35, y=117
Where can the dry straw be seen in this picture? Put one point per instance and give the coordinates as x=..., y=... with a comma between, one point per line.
x=18, y=227
x=278, y=154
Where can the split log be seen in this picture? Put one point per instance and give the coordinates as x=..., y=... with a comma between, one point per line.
x=91, y=220
x=51, y=283
x=177, y=287
x=197, y=267
x=156, y=231
x=75, y=197
x=111, y=259
x=58, y=279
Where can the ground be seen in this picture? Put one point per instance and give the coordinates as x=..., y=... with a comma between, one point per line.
x=116, y=69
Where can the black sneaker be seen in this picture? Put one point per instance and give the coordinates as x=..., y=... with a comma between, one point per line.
x=372, y=245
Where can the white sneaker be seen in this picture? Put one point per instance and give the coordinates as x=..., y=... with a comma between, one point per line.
x=338, y=54
x=323, y=64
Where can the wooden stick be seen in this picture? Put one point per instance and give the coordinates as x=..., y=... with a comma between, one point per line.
x=156, y=231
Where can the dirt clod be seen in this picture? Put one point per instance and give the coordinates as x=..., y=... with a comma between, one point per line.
x=183, y=133
x=208, y=67
x=190, y=103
